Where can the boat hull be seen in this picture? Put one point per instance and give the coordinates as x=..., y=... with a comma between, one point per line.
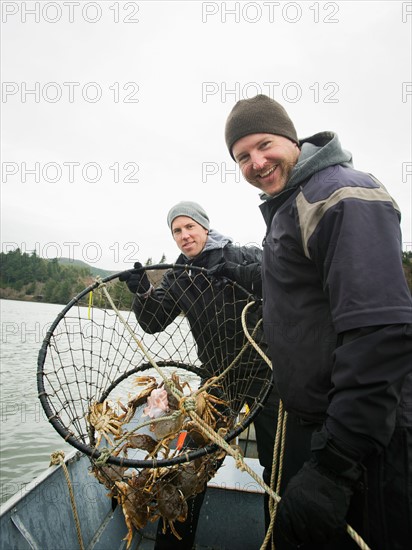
x=40, y=517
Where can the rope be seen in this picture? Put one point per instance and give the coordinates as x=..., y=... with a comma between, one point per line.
x=280, y=435
x=278, y=453
x=213, y=436
x=172, y=387
x=177, y=393
x=276, y=498
x=108, y=452
x=250, y=338
x=212, y=381
x=57, y=459
x=105, y=454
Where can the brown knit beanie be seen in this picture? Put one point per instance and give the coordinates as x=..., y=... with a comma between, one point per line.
x=258, y=115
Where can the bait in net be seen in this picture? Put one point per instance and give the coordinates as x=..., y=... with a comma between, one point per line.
x=141, y=384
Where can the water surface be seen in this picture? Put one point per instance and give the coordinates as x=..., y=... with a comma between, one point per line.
x=27, y=439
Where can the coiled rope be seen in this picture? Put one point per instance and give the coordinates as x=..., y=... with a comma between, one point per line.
x=57, y=459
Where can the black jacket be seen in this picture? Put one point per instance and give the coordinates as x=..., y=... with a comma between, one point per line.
x=212, y=307
x=336, y=307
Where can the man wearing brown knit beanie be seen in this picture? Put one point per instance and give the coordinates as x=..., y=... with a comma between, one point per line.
x=337, y=316
x=261, y=116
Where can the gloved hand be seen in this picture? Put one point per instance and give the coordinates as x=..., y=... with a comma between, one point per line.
x=136, y=279
x=248, y=276
x=314, y=506
x=225, y=269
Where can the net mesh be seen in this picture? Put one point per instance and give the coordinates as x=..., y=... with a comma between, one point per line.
x=123, y=379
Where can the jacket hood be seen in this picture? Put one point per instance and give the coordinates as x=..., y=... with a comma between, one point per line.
x=215, y=240
x=317, y=152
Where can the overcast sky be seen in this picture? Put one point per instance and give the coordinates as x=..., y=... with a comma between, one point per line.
x=114, y=111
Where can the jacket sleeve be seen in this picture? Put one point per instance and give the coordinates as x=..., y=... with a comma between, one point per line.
x=248, y=272
x=158, y=309
x=372, y=391
x=356, y=247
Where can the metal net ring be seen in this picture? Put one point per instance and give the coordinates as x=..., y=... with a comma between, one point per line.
x=189, y=323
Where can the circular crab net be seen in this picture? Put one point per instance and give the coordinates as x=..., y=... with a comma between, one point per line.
x=142, y=383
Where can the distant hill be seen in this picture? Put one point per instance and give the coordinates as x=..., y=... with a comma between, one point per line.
x=95, y=271
x=29, y=277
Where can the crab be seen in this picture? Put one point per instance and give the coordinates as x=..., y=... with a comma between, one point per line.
x=135, y=501
x=175, y=486
x=171, y=504
x=168, y=428
x=189, y=478
x=105, y=421
x=160, y=492
x=109, y=474
x=210, y=409
x=207, y=405
x=206, y=408
x=162, y=429
x=139, y=441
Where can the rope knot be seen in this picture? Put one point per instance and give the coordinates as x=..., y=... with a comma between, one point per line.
x=239, y=462
x=188, y=404
x=56, y=458
x=174, y=388
x=104, y=455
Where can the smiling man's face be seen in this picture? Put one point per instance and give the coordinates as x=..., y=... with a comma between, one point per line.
x=189, y=235
x=266, y=160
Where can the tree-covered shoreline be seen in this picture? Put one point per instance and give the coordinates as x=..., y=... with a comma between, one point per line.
x=28, y=277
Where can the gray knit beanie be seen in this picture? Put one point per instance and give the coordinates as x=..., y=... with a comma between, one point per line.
x=190, y=209
x=258, y=115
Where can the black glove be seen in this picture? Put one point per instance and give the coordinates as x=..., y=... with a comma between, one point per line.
x=314, y=506
x=136, y=279
x=246, y=275
x=225, y=269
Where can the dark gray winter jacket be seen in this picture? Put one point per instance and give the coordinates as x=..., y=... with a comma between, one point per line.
x=337, y=310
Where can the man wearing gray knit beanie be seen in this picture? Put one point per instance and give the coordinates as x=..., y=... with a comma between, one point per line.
x=190, y=209
x=190, y=237
x=337, y=315
x=206, y=248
